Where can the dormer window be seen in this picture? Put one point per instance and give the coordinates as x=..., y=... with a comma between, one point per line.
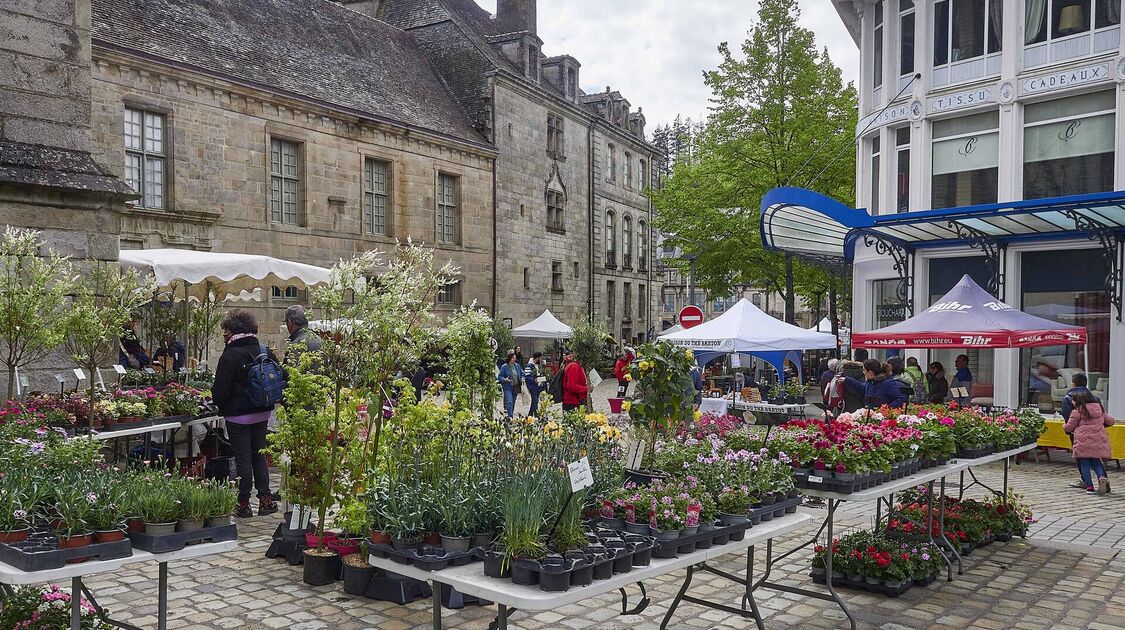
x=571, y=83
x=533, y=63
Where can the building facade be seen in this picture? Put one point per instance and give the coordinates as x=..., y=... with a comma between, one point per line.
x=573, y=226
x=965, y=103
x=279, y=160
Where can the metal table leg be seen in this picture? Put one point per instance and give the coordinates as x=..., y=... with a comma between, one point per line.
x=76, y=603
x=944, y=539
x=162, y=598
x=437, y=606
x=502, y=617
x=832, y=505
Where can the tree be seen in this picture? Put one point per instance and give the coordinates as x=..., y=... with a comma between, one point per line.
x=471, y=369
x=32, y=291
x=781, y=116
x=105, y=299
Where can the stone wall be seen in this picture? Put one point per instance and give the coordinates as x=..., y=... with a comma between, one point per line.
x=218, y=175
x=524, y=170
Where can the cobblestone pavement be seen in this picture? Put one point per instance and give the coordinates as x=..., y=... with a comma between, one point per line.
x=1067, y=574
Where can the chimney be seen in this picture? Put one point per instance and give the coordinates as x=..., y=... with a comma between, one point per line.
x=515, y=15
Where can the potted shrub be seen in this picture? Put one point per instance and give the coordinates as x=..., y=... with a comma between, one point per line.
x=663, y=398
x=194, y=505
x=156, y=506
x=221, y=503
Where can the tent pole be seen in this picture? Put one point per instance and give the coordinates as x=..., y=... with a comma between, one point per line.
x=1086, y=358
x=187, y=322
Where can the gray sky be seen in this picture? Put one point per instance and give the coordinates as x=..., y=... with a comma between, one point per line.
x=654, y=51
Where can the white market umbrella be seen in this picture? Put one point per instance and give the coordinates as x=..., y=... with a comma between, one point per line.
x=231, y=274
x=546, y=326
x=745, y=328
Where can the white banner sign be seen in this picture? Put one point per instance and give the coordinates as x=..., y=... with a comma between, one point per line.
x=1068, y=78
x=961, y=99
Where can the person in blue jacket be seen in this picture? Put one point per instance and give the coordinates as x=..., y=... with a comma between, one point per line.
x=510, y=376
x=879, y=388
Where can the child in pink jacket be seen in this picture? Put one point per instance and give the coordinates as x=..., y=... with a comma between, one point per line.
x=1091, y=441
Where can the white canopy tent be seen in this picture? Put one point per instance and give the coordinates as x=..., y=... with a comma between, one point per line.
x=546, y=326
x=671, y=329
x=745, y=328
x=197, y=273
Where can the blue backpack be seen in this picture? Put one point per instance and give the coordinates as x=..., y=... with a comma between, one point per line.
x=265, y=381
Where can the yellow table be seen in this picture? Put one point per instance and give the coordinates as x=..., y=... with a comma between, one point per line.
x=1053, y=437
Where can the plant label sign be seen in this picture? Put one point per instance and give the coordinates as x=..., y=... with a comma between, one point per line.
x=149, y=370
x=636, y=451
x=594, y=378
x=581, y=476
x=300, y=517
x=120, y=369
x=79, y=374
x=60, y=378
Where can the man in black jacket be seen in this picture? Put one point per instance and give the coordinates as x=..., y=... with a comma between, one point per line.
x=853, y=397
x=245, y=422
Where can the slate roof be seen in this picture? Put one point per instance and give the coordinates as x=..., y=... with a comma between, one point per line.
x=311, y=48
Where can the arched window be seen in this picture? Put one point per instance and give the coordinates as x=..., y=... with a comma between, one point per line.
x=642, y=245
x=610, y=240
x=627, y=243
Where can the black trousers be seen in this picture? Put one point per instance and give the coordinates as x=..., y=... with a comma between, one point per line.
x=247, y=442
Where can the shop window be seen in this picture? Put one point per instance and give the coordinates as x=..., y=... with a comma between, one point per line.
x=905, y=37
x=877, y=46
x=1065, y=286
x=902, y=169
x=873, y=200
x=966, y=157
x=1068, y=146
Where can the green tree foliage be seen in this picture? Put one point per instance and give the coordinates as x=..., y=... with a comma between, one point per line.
x=471, y=370
x=32, y=291
x=781, y=116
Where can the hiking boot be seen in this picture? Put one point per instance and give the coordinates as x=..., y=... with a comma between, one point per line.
x=1103, y=485
x=266, y=506
x=244, y=510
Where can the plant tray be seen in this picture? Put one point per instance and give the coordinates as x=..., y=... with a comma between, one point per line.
x=685, y=544
x=40, y=552
x=775, y=510
x=827, y=482
x=178, y=540
x=973, y=453
x=144, y=422
x=425, y=558
x=879, y=589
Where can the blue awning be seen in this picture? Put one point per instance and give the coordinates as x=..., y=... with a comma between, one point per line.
x=811, y=225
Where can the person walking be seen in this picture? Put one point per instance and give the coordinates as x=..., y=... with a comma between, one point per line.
x=620, y=369
x=533, y=379
x=575, y=386
x=936, y=384
x=245, y=422
x=1087, y=423
x=1078, y=384
x=510, y=377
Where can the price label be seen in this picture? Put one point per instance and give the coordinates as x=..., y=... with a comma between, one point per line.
x=581, y=476
x=24, y=381
x=79, y=374
x=120, y=369
x=815, y=479
x=149, y=370
x=60, y=378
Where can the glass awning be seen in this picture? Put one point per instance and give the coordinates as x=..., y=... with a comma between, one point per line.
x=811, y=225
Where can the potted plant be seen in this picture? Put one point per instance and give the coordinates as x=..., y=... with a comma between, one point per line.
x=155, y=505
x=194, y=505
x=74, y=504
x=107, y=517
x=733, y=503
x=662, y=400
x=19, y=495
x=221, y=503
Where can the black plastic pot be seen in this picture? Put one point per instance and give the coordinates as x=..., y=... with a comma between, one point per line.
x=494, y=565
x=603, y=566
x=320, y=570
x=554, y=574
x=356, y=579
x=525, y=572
x=643, y=477
x=623, y=561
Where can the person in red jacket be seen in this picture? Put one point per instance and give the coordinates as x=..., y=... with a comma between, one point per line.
x=575, y=386
x=620, y=369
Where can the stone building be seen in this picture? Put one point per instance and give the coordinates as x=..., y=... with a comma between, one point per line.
x=48, y=180
x=292, y=128
x=573, y=227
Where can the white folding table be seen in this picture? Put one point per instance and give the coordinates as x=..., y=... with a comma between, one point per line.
x=10, y=575
x=470, y=578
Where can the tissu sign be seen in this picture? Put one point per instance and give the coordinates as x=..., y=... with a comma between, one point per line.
x=968, y=317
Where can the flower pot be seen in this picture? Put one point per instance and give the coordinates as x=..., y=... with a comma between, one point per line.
x=873, y=581
x=893, y=584
x=320, y=569
x=408, y=542
x=668, y=536
x=432, y=538
x=818, y=573
x=109, y=535
x=525, y=572
x=613, y=523
x=129, y=420
x=217, y=521
x=456, y=544
x=189, y=524
x=732, y=519
x=356, y=579
x=15, y=535
x=77, y=540
x=380, y=538
x=312, y=540
x=344, y=546
x=637, y=528
x=689, y=531
x=769, y=499
x=160, y=529
x=615, y=405
x=494, y=565
x=844, y=476
x=644, y=477
x=482, y=539
x=134, y=525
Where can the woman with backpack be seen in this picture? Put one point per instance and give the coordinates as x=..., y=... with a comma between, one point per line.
x=245, y=392
x=1087, y=423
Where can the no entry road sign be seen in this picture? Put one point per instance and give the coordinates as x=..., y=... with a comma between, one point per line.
x=691, y=316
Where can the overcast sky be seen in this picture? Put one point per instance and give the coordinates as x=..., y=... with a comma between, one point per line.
x=655, y=51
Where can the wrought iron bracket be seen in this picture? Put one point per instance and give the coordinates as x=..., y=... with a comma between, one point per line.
x=1113, y=253
x=994, y=255
x=903, y=257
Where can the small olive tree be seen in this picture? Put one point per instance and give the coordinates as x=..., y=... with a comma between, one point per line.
x=33, y=289
x=105, y=299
